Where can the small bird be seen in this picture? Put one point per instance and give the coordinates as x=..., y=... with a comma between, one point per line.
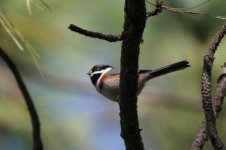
x=106, y=78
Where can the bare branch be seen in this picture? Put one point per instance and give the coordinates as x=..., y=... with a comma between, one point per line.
x=201, y=137
x=158, y=9
x=219, y=95
x=159, y=6
x=134, y=23
x=217, y=100
x=31, y=108
x=206, y=90
x=210, y=119
x=107, y=37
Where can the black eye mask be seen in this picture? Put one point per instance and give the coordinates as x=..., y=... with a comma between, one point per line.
x=95, y=77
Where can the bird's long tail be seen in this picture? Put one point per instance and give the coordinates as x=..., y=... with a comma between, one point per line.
x=170, y=68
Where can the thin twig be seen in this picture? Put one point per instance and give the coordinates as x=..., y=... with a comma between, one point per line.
x=107, y=37
x=208, y=106
x=31, y=108
x=158, y=9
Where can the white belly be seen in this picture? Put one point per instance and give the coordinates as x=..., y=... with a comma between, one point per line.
x=110, y=89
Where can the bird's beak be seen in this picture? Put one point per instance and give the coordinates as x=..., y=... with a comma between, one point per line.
x=88, y=73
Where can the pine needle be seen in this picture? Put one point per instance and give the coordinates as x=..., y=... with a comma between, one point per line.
x=20, y=41
x=28, y=2
x=8, y=29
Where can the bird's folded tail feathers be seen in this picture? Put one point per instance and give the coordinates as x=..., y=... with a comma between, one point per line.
x=170, y=68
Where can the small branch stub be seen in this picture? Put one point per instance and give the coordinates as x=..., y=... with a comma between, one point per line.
x=106, y=37
x=158, y=9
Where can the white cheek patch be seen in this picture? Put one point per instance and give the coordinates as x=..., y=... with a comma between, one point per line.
x=97, y=72
x=103, y=72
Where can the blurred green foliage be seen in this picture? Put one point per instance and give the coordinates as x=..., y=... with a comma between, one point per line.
x=72, y=114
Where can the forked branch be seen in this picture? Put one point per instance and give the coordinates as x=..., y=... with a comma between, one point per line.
x=217, y=100
x=208, y=103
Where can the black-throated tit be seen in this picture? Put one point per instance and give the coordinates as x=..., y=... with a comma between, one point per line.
x=106, y=78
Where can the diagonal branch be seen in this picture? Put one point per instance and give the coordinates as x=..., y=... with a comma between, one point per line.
x=31, y=108
x=107, y=37
x=220, y=92
x=201, y=137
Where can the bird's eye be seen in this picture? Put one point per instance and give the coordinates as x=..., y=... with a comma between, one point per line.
x=98, y=69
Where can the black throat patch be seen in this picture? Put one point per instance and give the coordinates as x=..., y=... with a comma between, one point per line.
x=95, y=77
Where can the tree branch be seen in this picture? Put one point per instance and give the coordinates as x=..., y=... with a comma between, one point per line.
x=158, y=9
x=217, y=100
x=31, y=108
x=220, y=92
x=107, y=37
x=134, y=23
x=206, y=90
x=208, y=106
x=201, y=137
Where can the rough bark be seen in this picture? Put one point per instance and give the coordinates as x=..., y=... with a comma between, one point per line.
x=134, y=23
x=211, y=105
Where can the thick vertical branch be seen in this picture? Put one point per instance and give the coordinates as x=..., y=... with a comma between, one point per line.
x=31, y=108
x=134, y=23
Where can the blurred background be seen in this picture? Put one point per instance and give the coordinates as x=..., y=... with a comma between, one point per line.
x=73, y=115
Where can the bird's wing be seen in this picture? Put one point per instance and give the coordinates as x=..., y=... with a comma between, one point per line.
x=117, y=71
x=143, y=71
x=113, y=72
